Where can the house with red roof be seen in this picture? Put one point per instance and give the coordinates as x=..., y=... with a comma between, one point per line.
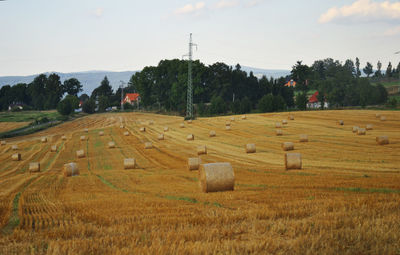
x=131, y=98
x=291, y=83
x=313, y=102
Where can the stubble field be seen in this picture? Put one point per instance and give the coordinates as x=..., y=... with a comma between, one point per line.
x=345, y=199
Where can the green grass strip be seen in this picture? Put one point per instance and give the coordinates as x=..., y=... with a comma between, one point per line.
x=366, y=190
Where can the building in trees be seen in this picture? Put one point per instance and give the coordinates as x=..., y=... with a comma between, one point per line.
x=291, y=83
x=314, y=103
x=131, y=98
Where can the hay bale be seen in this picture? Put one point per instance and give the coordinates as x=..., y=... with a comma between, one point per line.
x=53, y=148
x=202, y=149
x=63, y=138
x=80, y=154
x=148, y=145
x=194, y=163
x=121, y=126
x=287, y=146
x=377, y=115
x=142, y=129
x=303, y=138
x=129, y=163
x=361, y=131
x=355, y=128
x=244, y=117
x=228, y=128
x=126, y=133
x=182, y=125
x=70, y=169
x=189, y=121
x=151, y=122
x=101, y=133
x=293, y=161
x=166, y=129
x=232, y=118
x=111, y=145
x=382, y=140
x=279, y=132
x=340, y=122
x=16, y=157
x=190, y=137
x=227, y=123
x=86, y=130
x=291, y=117
x=250, y=148
x=160, y=137
x=44, y=140
x=3, y=143
x=83, y=138
x=284, y=122
x=383, y=118
x=212, y=133
x=34, y=167
x=278, y=125
x=14, y=147
x=369, y=127
x=215, y=177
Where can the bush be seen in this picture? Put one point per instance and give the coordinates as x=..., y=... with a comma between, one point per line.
x=245, y=105
x=278, y=103
x=265, y=104
x=128, y=106
x=392, y=103
x=235, y=106
x=217, y=105
x=15, y=109
x=202, y=109
x=73, y=100
x=89, y=106
x=301, y=101
x=64, y=107
x=104, y=103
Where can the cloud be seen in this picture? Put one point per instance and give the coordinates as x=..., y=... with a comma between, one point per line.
x=363, y=10
x=222, y=4
x=98, y=12
x=190, y=8
x=392, y=31
x=253, y=3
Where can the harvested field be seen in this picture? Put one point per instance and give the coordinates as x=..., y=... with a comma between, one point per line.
x=347, y=192
x=7, y=126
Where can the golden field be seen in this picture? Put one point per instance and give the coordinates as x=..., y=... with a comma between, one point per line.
x=345, y=199
x=6, y=126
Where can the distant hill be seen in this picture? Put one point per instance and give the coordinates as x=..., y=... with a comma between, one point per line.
x=92, y=79
x=89, y=80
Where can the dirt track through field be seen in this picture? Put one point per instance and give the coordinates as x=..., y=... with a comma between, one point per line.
x=347, y=192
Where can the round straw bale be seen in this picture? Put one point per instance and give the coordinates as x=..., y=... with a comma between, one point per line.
x=126, y=133
x=3, y=143
x=232, y=118
x=250, y=148
x=53, y=148
x=383, y=118
x=227, y=123
x=16, y=157
x=355, y=128
x=34, y=167
x=369, y=127
x=340, y=122
x=212, y=133
x=190, y=137
x=361, y=131
x=160, y=137
x=189, y=121
x=284, y=122
x=291, y=117
x=377, y=115
x=194, y=163
x=14, y=147
x=382, y=140
x=129, y=163
x=80, y=154
x=244, y=117
x=63, y=138
x=83, y=138
x=142, y=129
x=101, y=133
x=121, y=126
x=151, y=122
x=228, y=128
x=287, y=146
x=279, y=132
x=148, y=145
x=86, y=130
x=278, y=125
x=44, y=140
x=215, y=177
x=70, y=169
x=182, y=125
x=111, y=145
x=303, y=138
x=202, y=149
x=166, y=129
x=293, y=161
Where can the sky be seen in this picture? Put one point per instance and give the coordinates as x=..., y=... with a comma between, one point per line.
x=39, y=36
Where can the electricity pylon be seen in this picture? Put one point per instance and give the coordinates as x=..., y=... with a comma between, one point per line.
x=189, y=101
